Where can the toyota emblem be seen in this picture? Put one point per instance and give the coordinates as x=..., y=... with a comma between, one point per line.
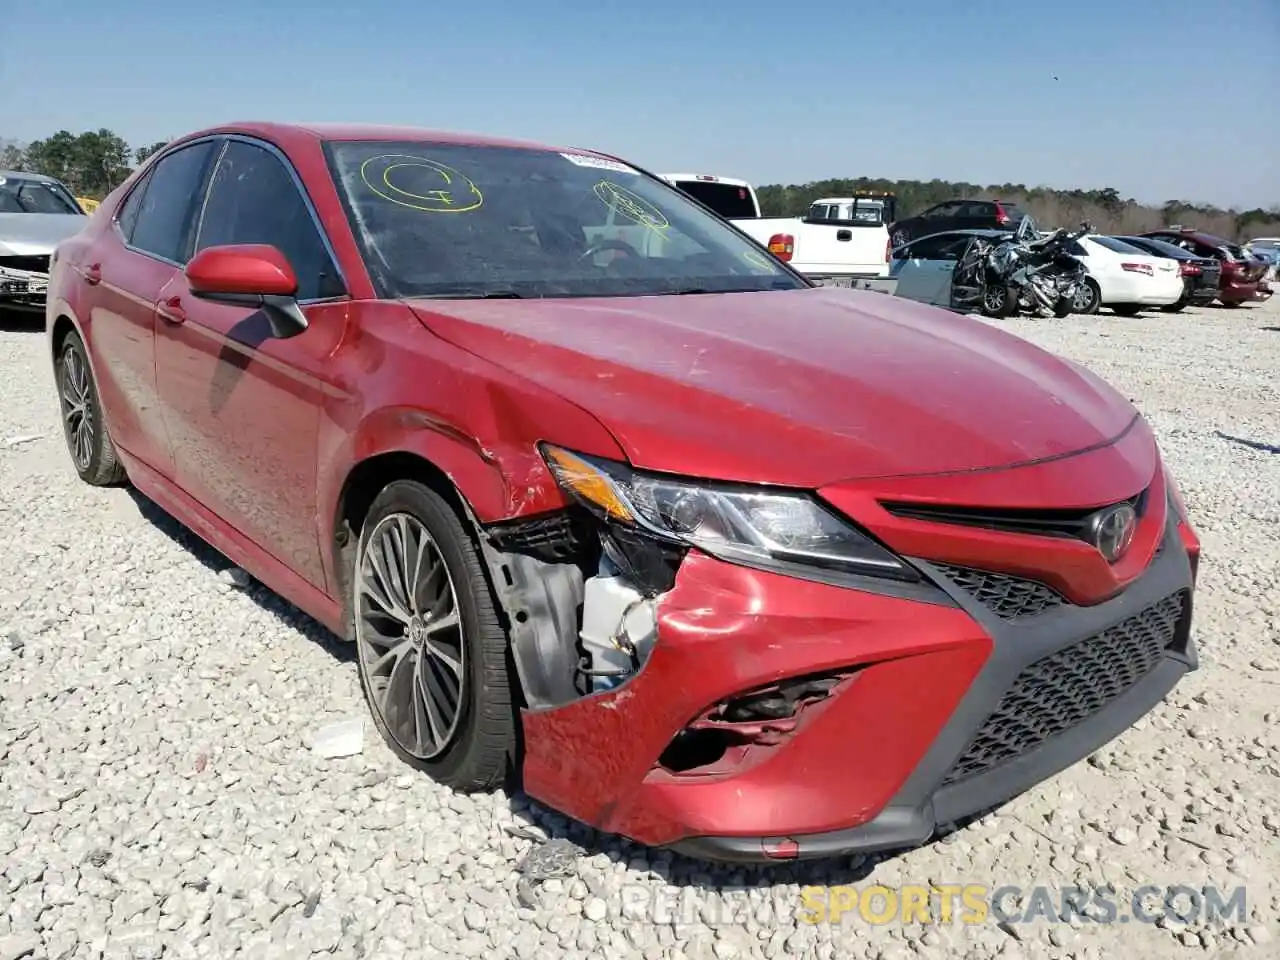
x=1111, y=530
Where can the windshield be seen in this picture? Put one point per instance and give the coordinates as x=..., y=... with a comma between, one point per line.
x=725, y=199
x=24, y=195
x=462, y=220
x=1119, y=246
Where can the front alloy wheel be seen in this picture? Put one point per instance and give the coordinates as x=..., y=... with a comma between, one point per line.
x=430, y=647
x=410, y=636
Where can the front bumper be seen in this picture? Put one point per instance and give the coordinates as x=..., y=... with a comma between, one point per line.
x=942, y=707
x=23, y=289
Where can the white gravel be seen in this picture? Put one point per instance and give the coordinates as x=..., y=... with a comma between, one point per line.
x=160, y=794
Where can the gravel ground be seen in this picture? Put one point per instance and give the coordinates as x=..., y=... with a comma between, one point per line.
x=161, y=795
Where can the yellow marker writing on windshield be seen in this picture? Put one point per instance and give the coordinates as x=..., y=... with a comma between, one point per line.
x=631, y=206
x=457, y=195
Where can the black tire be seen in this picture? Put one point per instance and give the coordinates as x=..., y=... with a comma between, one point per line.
x=999, y=301
x=480, y=754
x=1062, y=308
x=1089, y=307
x=1176, y=307
x=92, y=452
x=1126, y=309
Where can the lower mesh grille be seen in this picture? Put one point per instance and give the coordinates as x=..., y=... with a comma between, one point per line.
x=1065, y=688
x=1005, y=596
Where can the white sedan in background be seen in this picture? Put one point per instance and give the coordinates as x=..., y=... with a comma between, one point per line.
x=1123, y=277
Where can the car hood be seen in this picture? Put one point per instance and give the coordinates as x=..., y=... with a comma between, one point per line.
x=802, y=387
x=36, y=234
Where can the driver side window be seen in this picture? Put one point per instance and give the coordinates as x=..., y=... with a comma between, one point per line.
x=253, y=199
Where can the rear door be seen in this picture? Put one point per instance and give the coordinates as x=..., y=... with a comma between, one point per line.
x=124, y=275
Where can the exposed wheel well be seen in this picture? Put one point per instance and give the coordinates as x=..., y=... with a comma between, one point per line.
x=364, y=484
x=61, y=327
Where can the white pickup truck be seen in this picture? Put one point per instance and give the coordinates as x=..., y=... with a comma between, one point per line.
x=842, y=241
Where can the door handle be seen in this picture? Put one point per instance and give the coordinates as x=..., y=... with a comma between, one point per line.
x=170, y=310
x=93, y=274
x=844, y=235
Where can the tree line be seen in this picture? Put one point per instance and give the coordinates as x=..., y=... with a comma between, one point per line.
x=1105, y=208
x=91, y=164
x=94, y=163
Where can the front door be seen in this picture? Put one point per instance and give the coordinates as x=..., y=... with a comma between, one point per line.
x=243, y=408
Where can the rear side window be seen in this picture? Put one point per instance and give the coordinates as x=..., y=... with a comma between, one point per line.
x=164, y=216
x=725, y=199
x=128, y=215
x=946, y=246
x=254, y=199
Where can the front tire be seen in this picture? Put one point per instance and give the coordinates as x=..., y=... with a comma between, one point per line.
x=83, y=425
x=430, y=647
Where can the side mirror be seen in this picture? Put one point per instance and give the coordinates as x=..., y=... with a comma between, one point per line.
x=252, y=275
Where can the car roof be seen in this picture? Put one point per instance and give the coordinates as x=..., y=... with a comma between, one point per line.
x=26, y=175
x=295, y=133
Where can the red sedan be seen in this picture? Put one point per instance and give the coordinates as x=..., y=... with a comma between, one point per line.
x=609, y=499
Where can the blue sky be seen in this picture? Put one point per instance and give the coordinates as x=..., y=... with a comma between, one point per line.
x=1158, y=98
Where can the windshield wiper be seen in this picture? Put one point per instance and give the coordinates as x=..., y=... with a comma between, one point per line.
x=476, y=295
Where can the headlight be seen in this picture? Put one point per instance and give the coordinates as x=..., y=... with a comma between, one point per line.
x=747, y=525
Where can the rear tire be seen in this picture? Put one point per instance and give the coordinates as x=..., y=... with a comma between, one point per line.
x=999, y=301
x=83, y=425
x=1176, y=307
x=471, y=747
x=1088, y=300
x=1126, y=309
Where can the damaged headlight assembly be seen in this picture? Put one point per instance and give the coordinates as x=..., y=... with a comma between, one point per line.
x=777, y=531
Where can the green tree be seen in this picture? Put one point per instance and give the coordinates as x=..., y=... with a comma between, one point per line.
x=142, y=154
x=13, y=157
x=92, y=164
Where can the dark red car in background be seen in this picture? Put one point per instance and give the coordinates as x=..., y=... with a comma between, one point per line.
x=608, y=498
x=1241, y=277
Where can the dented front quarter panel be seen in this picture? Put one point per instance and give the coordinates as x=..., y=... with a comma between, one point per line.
x=398, y=388
x=725, y=629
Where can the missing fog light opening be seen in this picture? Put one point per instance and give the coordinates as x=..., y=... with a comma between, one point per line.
x=722, y=736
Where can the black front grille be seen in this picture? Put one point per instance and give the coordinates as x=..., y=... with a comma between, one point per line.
x=1039, y=522
x=1009, y=598
x=1065, y=688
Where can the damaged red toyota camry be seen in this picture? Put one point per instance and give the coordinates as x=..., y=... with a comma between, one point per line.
x=608, y=498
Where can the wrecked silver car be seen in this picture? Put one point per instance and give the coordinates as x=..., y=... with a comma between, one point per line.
x=36, y=214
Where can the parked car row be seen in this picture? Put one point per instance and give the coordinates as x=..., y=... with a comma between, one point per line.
x=1169, y=269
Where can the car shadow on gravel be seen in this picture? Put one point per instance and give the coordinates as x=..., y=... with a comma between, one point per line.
x=263, y=596
x=1252, y=444
x=21, y=321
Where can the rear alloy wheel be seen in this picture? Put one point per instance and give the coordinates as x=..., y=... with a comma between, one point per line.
x=998, y=300
x=1087, y=299
x=430, y=649
x=83, y=425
